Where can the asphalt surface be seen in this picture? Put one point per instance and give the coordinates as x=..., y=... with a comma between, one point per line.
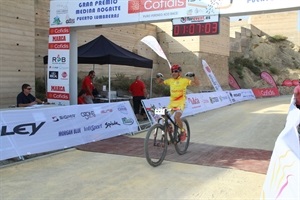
x=74, y=174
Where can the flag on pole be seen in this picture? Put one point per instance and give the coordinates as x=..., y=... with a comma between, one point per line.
x=154, y=45
x=232, y=82
x=211, y=76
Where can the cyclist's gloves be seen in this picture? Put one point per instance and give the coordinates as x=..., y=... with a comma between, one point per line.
x=190, y=74
x=159, y=75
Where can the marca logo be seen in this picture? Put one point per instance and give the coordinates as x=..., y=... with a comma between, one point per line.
x=59, y=38
x=58, y=88
x=22, y=129
x=135, y=6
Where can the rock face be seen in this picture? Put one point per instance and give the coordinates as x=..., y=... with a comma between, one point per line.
x=261, y=52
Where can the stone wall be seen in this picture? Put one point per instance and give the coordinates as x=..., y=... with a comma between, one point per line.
x=17, y=35
x=281, y=23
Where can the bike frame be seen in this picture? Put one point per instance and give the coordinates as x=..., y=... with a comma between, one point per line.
x=167, y=117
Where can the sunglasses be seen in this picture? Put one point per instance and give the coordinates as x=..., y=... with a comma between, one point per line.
x=175, y=71
x=28, y=88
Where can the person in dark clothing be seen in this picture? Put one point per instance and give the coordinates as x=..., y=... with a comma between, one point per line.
x=25, y=98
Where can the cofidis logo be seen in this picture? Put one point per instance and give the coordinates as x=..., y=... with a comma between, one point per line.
x=135, y=6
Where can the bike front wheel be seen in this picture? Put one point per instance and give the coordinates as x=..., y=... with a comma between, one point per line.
x=182, y=145
x=155, y=145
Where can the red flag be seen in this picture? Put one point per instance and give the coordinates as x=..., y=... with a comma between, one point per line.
x=232, y=82
x=268, y=78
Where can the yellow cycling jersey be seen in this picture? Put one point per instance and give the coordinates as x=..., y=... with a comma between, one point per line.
x=178, y=91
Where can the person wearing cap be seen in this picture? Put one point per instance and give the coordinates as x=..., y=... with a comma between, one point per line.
x=178, y=85
x=297, y=95
x=25, y=98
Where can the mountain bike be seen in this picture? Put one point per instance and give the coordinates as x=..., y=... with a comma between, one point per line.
x=162, y=134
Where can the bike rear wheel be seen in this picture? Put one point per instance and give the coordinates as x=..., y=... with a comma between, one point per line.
x=155, y=145
x=182, y=146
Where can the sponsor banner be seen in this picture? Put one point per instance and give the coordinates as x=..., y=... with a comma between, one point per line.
x=268, y=78
x=195, y=103
x=265, y=92
x=240, y=95
x=211, y=76
x=196, y=19
x=58, y=66
x=93, y=12
x=232, y=82
x=214, y=100
x=283, y=176
x=47, y=128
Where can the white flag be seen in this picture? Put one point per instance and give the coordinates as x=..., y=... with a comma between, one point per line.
x=211, y=76
x=154, y=45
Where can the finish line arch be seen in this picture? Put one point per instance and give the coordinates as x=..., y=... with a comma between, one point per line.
x=66, y=17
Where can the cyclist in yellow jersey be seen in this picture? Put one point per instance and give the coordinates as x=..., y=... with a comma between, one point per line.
x=178, y=87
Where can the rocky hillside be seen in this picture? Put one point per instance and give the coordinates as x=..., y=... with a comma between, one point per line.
x=260, y=52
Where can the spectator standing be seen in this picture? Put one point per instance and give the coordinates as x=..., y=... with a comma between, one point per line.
x=88, y=86
x=138, y=91
x=25, y=98
x=297, y=95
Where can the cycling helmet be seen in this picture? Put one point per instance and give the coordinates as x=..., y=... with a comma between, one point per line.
x=175, y=67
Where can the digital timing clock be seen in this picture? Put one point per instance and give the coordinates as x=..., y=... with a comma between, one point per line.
x=208, y=28
x=197, y=25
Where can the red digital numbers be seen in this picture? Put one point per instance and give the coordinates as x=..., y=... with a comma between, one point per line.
x=209, y=28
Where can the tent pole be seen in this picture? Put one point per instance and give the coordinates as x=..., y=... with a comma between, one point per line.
x=109, y=83
x=151, y=83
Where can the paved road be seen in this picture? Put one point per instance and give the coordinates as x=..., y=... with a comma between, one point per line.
x=75, y=174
